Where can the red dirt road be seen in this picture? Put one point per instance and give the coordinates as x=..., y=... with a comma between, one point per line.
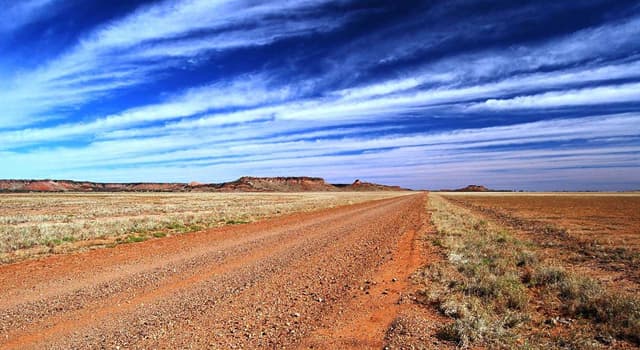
x=328, y=279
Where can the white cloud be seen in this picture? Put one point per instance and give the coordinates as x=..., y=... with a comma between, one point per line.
x=246, y=91
x=378, y=102
x=587, y=96
x=337, y=152
x=115, y=51
x=255, y=124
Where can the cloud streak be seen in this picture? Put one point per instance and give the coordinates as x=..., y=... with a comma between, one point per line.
x=130, y=51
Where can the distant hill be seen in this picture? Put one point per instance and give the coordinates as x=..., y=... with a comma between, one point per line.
x=470, y=188
x=367, y=186
x=277, y=184
x=243, y=184
x=473, y=188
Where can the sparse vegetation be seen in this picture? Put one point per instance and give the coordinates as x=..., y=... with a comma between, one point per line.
x=135, y=239
x=490, y=277
x=45, y=221
x=479, y=285
x=618, y=313
x=602, y=226
x=236, y=222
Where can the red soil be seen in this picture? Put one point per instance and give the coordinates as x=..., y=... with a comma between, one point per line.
x=286, y=282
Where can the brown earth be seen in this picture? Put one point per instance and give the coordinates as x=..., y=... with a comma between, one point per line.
x=595, y=234
x=610, y=219
x=593, y=275
x=243, y=184
x=332, y=278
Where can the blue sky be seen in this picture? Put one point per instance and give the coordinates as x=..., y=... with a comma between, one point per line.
x=543, y=95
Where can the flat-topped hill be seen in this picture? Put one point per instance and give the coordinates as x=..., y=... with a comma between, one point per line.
x=243, y=184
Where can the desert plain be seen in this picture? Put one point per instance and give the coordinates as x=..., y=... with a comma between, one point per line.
x=325, y=270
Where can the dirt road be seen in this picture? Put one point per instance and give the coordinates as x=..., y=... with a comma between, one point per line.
x=326, y=279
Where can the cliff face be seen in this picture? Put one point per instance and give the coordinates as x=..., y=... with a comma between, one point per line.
x=278, y=184
x=243, y=184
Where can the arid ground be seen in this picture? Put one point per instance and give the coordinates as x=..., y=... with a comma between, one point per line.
x=45, y=223
x=609, y=218
x=557, y=269
x=327, y=271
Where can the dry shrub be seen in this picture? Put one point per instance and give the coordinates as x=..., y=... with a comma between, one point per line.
x=618, y=313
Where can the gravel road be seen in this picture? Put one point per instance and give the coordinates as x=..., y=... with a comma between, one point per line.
x=333, y=278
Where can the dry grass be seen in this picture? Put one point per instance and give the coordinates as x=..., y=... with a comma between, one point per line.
x=479, y=285
x=601, y=231
x=500, y=293
x=54, y=220
x=611, y=220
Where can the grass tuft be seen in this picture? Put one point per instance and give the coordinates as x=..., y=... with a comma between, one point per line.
x=159, y=234
x=135, y=239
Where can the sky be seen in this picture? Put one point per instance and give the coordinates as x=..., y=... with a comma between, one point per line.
x=538, y=95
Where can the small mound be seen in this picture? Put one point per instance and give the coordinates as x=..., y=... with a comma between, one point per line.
x=473, y=188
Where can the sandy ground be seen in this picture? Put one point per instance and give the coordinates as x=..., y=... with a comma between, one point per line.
x=335, y=278
x=609, y=218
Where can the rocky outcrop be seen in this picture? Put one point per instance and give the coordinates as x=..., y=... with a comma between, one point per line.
x=278, y=184
x=368, y=186
x=473, y=188
x=243, y=184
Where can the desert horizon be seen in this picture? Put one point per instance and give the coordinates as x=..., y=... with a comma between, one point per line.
x=319, y=174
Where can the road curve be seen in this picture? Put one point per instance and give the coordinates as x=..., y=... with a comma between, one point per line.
x=325, y=279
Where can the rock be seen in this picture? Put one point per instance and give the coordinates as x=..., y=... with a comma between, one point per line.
x=565, y=320
x=604, y=339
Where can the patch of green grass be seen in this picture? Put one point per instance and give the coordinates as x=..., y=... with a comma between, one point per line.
x=176, y=225
x=195, y=227
x=135, y=239
x=236, y=222
x=52, y=242
x=159, y=234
